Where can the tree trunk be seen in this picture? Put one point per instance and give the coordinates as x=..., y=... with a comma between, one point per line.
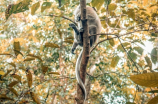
x=86, y=51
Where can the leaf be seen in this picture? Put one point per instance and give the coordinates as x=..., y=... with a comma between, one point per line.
x=16, y=48
x=38, y=57
x=115, y=61
x=154, y=34
x=154, y=55
x=131, y=13
x=132, y=55
x=44, y=69
x=67, y=38
x=2, y=72
x=8, y=71
x=112, y=42
x=54, y=73
x=29, y=59
x=139, y=50
x=60, y=33
x=69, y=41
x=153, y=91
x=17, y=77
x=35, y=98
x=97, y=4
x=29, y=78
x=34, y=8
x=126, y=44
x=146, y=79
x=148, y=62
x=4, y=97
x=45, y=5
x=13, y=65
x=13, y=83
x=153, y=101
x=17, y=8
x=52, y=45
x=13, y=91
x=5, y=54
x=112, y=7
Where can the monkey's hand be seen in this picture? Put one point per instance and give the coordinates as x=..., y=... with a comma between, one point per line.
x=72, y=51
x=72, y=25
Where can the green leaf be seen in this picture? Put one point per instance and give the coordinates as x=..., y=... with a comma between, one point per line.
x=133, y=55
x=97, y=4
x=148, y=62
x=17, y=8
x=112, y=42
x=34, y=8
x=17, y=48
x=46, y=5
x=115, y=61
x=139, y=50
x=154, y=55
x=146, y=79
x=154, y=34
x=112, y=7
x=126, y=45
x=131, y=13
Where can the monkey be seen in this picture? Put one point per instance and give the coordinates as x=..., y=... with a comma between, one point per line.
x=94, y=26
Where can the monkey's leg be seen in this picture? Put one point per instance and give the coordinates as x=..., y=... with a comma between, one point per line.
x=72, y=25
x=75, y=44
x=92, y=31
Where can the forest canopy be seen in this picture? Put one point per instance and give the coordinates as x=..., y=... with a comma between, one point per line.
x=37, y=66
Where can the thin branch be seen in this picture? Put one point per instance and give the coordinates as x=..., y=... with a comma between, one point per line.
x=116, y=36
x=62, y=17
x=129, y=55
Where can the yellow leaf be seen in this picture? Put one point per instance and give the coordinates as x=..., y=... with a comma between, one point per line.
x=2, y=72
x=12, y=64
x=16, y=48
x=34, y=8
x=44, y=69
x=112, y=7
x=4, y=97
x=13, y=83
x=69, y=41
x=5, y=54
x=17, y=77
x=8, y=71
x=45, y=5
x=29, y=59
x=97, y=4
x=35, y=98
x=54, y=73
x=29, y=78
x=13, y=91
x=146, y=79
x=153, y=101
x=52, y=45
x=114, y=61
x=32, y=55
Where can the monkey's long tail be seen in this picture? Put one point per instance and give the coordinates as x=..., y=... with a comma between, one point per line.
x=77, y=69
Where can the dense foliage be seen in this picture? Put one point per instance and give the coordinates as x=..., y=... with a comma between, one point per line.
x=36, y=64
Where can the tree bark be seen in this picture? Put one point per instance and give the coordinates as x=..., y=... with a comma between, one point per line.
x=86, y=51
